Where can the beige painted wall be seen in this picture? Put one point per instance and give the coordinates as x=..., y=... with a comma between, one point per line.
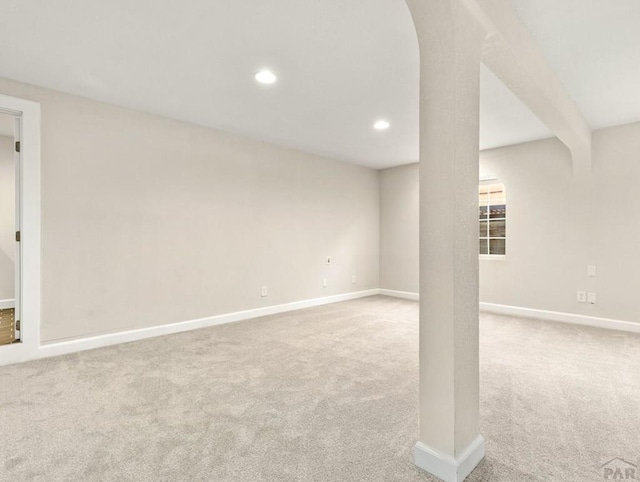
x=148, y=221
x=557, y=226
x=399, y=233
x=7, y=217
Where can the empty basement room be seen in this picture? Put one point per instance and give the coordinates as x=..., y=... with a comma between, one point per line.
x=318, y=240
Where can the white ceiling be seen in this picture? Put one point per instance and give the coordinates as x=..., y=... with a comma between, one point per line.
x=594, y=48
x=342, y=64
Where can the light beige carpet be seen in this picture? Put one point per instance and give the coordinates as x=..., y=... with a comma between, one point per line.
x=324, y=394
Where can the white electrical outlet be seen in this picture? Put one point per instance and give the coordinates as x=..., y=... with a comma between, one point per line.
x=324, y=282
x=591, y=298
x=353, y=279
x=591, y=271
x=328, y=259
x=582, y=296
x=264, y=291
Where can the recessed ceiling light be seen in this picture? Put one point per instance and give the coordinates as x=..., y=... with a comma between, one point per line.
x=381, y=125
x=265, y=77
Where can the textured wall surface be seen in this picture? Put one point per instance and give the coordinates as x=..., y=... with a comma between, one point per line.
x=557, y=225
x=399, y=217
x=148, y=221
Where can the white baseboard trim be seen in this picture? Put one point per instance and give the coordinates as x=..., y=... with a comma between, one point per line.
x=606, y=323
x=89, y=343
x=69, y=346
x=584, y=320
x=6, y=304
x=406, y=295
x=446, y=467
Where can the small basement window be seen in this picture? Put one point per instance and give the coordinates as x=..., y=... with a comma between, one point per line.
x=493, y=219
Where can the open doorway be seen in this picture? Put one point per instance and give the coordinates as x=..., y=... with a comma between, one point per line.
x=24, y=233
x=9, y=229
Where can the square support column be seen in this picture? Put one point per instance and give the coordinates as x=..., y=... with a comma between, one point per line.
x=450, y=444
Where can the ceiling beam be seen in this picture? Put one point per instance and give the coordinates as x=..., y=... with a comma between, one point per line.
x=513, y=55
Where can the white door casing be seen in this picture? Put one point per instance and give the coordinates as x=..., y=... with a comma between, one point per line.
x=28, y=290
x=16, y=277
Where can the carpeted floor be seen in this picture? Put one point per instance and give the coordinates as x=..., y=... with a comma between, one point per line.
x=324, y=394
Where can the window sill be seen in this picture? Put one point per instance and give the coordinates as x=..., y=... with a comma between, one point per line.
x=492, y=257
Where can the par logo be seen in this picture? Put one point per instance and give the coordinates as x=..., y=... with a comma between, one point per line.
x=619, y=469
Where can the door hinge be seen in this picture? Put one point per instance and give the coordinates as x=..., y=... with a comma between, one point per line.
x=17, y=146
x=18, y=236
x=18, y=325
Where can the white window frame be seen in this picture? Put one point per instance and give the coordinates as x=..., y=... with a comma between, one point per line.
x=494, y=257
x=28, y=113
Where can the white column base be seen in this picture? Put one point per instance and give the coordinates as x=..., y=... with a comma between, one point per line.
x=446, y=467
